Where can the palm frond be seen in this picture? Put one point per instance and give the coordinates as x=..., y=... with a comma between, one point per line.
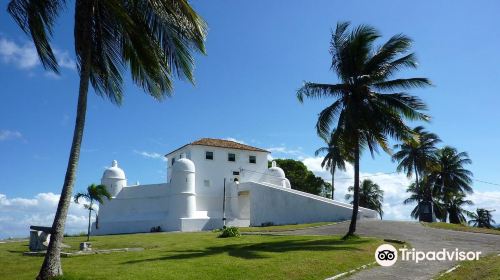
x=398, y=84
x=383, y=57
x=155, y=38
x=37, y=18
x=314, y=90
x=326, y=117
x=80, y=196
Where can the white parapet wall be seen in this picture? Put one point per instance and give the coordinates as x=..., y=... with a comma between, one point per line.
x=278, y=205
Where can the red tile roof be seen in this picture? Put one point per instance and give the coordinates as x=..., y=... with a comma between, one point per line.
x=222, y=144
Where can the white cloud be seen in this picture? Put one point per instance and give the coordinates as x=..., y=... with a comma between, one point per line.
x=488, y=200
x=151, y=155
x=286, y=152
x=64, y=59
x=17, y=214
x=10, y=135
x=25, y=56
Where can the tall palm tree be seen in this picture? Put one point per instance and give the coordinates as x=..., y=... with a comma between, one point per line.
x=370, y=196
x=94, y=193
x=454, y=203
x=482, y=218
x=416, y=155
x=368, y=106
x=333, y=157
x=450, y=174
x=155, y=38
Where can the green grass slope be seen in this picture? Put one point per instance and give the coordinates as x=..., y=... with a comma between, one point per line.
x=200, y=255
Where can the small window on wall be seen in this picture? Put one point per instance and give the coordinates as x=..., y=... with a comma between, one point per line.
x=236, y=173
x=231, y=157
x=252, y=159
x=206, y=183
x=173, y=160
x=209, y=155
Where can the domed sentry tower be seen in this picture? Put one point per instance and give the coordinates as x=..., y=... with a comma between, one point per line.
x=183, y=196
x=114, y=179
x=276, y=176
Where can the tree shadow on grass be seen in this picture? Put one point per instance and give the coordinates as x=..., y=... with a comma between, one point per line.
x=256, y=250
x=20, y=251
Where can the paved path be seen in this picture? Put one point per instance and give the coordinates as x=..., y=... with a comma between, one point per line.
x=420, y=237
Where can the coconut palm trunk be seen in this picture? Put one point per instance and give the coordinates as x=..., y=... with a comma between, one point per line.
x=51, y=266
x=90, y=217
x=355, y=201
x=417, y=185
x=333, y=182
x=416, y=180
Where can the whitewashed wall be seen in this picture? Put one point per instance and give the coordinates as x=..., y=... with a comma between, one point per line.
x=134, y=209
x=277, y=205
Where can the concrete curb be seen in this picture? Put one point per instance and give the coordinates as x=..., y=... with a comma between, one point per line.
x=343, y=274
x=448, y=271
x=394, y=241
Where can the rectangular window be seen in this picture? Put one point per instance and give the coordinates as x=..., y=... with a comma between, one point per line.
x=252, y=159
x=236, y=173
x=209, y=155
x=206, y=183
x=173, y=160
x=231, y=157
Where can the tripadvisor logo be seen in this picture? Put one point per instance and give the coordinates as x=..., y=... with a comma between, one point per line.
x=387, y=255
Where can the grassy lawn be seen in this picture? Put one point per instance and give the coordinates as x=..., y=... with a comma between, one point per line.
x=462, y=228
x=486, y=268
x=283, y=228
x=201, y=256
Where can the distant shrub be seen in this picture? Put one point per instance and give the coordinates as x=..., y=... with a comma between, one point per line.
x=267, y=224
x=229, y=232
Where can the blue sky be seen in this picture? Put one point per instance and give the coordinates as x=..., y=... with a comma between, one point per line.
x=259, y=54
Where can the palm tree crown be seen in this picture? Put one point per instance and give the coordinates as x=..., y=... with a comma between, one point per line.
x=450, y=174
x=370, y=196
x=419, y=193
x=482, y=218
x=454, y=204
x=153, y=38
x=94, y=193
x=417, y=154
x=369, y=104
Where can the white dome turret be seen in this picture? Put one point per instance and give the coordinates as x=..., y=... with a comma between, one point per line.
x=276, y=176
x=114, y=179
x=275, y=171
x=182, y=189
x=183, y=165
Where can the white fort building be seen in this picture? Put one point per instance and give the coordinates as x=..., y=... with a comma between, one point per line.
x=211, y=182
